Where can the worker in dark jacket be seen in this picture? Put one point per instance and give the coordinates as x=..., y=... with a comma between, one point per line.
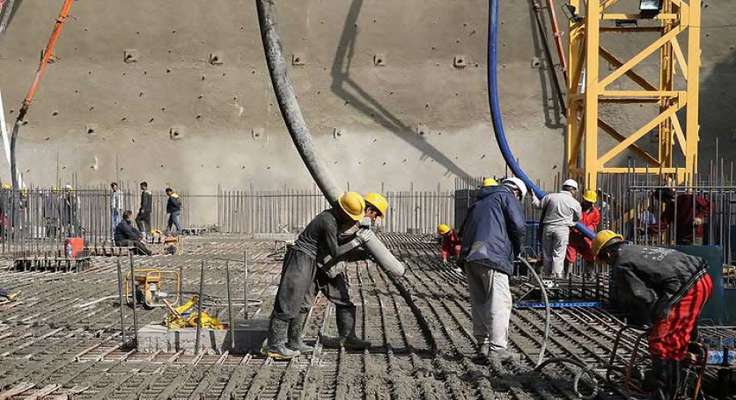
x=143, y=219
x=491, y=238
x=127, y=236
x=306, y=271
x=173, y=208
x=662, y=288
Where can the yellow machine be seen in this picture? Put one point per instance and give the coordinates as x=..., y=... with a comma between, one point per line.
x=185, y=316
x=150, y=285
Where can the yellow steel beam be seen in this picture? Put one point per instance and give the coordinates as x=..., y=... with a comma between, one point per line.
x=679, y=134
x=613, y=60
x=592, y=87
x=643, y=93
x=640, y=170
x=680, y=57
x=692, y=127
x=611, y=131
x=622, y=16
x=619, y=148
x=639, y=57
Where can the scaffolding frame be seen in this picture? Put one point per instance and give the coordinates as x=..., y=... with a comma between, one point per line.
x=588, y=88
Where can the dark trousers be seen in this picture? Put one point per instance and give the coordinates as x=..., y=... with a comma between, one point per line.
x=301, y=280
x=136, y=247
x=143, y=222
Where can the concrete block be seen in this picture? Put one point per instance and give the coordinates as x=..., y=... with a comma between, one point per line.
x=249, y=337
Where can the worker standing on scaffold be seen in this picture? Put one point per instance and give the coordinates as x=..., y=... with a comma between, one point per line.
x=662, y=288
x=305, y=272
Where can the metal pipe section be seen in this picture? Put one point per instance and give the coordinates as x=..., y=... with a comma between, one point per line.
x=298, y=130
x=495, y=106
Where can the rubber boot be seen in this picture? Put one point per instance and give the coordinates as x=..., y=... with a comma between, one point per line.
x=660, y=379
x=296, y=342
x=484, y=346
x=346, y=329
x=276, y=348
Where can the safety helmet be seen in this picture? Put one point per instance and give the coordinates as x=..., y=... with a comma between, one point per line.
x=443, y=229
x=353, y=205
x=603, y=239
x=516, y=183
x=489, y=182
x=571, y=183
x=590, y=196
x=7, y=186
x=377, y=201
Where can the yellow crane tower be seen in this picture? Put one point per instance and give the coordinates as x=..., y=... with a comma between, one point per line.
x=595, y=28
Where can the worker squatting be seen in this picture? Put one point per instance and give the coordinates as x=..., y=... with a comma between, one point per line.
x=657, y=287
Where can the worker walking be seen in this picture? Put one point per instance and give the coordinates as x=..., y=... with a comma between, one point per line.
x=662, y=288
x=450, y=244
x=173, y=208
x=579, y=244
x=304, y=273
x=493, y=233
x=143, y=219
x=560, y=211
x=126, y=235
x=116, y=206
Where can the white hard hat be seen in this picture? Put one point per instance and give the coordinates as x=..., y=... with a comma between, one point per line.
x=571, y=183
x=516, y=183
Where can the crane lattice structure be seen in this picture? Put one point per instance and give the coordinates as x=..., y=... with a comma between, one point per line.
x=593, y=26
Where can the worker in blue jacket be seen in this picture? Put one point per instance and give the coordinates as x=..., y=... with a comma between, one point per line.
x=492, y=235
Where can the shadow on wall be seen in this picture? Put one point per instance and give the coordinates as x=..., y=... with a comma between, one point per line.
x=357, y=97
x=718, y=113
x=550, y=106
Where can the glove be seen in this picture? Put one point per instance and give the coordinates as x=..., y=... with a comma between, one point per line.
x=336, y=269
x=365, y=223
x=364, y=236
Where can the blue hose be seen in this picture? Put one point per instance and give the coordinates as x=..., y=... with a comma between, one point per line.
x=496, y=118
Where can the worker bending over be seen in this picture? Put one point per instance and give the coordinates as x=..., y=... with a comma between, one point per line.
x=492, y=236
x=450, y=244
x=662, y=288
x=307, y=270
x=590, y=217
x=560, y=211
x=126, y=235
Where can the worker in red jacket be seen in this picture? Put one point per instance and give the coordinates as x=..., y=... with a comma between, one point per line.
x=591, y=218
x=662, y=288
x=451, y=244
x=688, y=211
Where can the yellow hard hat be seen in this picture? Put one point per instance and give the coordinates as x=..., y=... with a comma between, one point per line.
x=7, y=186
x=378, y=201
x=590, y=196
x=353, y=205
x=443, y=229
x=489, y=182
x=602, y=239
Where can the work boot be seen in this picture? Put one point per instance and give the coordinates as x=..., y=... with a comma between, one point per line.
x=296, y=342
x=484, y=347
x=346, y=329
x=502, y=355
x=659, y=379
x=276, y=347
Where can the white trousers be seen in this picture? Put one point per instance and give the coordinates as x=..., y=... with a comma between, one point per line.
x=490, y=300
x=554, y=248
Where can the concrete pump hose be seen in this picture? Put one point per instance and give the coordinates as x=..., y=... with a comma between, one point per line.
x=300, y=135
x=495, y=105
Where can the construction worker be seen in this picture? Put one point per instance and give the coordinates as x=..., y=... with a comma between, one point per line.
x=376, y=206
x=662, y=288
x=688, y=212
x=590, y=217
x=70, y=210
x=450, y=244
x=493, y=233
x=10, y=296
x=560, y=211
x=143, y=219
x=116, y=206
x=126, y=235
x=304, y=273
x=173, y=208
